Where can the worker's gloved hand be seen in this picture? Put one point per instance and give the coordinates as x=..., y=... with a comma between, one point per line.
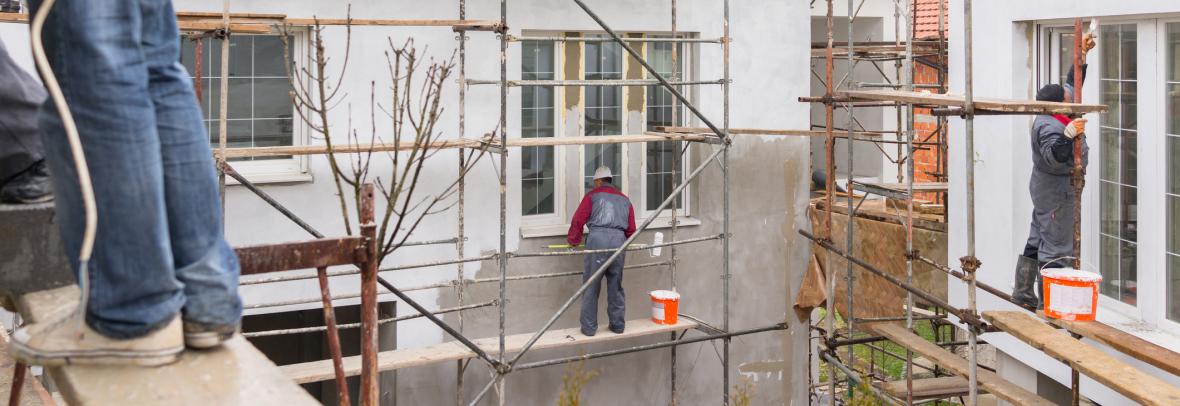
x=1088, y=42
x=1075, y=128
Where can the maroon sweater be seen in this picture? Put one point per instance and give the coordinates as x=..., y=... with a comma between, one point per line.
x=603, y=207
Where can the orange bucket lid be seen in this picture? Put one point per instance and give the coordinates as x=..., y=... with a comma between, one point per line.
x=1070, y=274
x=665, y=295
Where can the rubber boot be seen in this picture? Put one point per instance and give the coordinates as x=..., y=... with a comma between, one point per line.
x=1025, y=292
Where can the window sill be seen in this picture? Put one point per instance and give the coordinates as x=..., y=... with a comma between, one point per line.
x=555, y=230
x=1133, y=326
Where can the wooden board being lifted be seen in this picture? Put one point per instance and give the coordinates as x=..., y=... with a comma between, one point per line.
x=1092, y=362
x=929, y=388
x=987, y=380
x=981, y=103
x=411, y=357
x=456, y=143
x=1121, y=341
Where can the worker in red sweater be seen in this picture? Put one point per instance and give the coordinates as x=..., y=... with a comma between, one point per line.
x=609, y=216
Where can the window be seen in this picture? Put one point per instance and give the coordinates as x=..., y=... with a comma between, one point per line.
x=537, y=109
x=260, y=111
x=1172, y=168
x=593, y=111
x=1118, y=186
x=665, y=160
x=603, y=110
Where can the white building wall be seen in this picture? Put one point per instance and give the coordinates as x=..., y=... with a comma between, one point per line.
x=1004, y=67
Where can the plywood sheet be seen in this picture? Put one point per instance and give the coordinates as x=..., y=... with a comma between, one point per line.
x=987, y=380
x=881, y=244
x=397, y=359
x=1117, y=375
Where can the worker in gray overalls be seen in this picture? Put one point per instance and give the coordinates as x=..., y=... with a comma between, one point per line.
x=1050, y=239
x=609, y=216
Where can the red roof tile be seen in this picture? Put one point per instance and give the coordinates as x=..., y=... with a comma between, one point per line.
x=926, y=18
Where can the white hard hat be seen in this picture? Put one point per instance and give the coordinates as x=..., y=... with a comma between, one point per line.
x=602, y=172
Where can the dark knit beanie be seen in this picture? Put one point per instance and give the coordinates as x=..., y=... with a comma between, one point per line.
x=1051, y=93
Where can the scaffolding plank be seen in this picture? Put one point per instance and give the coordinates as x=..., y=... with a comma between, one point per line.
x=981, y=103
x=398, y=359
x=233, y=374
x=988, y=380
x=457, y=143
x=1091, y=361
x=859, y=135
x=929, y=388
x=1126, y=343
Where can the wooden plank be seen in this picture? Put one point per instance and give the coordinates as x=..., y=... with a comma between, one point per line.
x=1123, y=342
x=457, y=143
x=398, y=359
x=929, y=388
x=987, y=380
x=459, y=24
x=185, y=25
x=867, y=135
x=919, y=187
x=983, y=103
x=324, y=252
x=1092, y=362
x=180, y=15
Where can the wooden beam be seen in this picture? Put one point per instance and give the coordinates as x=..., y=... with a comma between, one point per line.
x=1117, y=375
x=988, y=380
x=928, y=388
x=981, y=104
x=1123, y=342
x=450, y=351
x=471, y=25
x=458, y=143
x=184, y=24
x=869, y=135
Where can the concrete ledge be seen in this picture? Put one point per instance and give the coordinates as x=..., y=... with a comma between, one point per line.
x=235, y=374
x=31, y=256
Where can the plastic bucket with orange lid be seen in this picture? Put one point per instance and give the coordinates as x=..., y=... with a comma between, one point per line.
x=1070, y=294
x=663, y=306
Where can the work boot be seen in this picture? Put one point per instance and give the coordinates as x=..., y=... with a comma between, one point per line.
x=69, y=341
x=30, y=186
x=203, y=336
x=1026, y=280
x=589, y=332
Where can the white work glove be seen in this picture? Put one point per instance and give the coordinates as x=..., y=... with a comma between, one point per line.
x=1075, y=128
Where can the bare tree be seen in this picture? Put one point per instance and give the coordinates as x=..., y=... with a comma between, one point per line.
x=415, y=107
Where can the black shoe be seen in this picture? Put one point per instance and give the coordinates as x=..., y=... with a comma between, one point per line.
x=30, y=186
x=616, y=330
x=588, y=333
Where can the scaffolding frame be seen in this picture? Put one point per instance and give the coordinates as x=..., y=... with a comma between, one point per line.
x=502, y=365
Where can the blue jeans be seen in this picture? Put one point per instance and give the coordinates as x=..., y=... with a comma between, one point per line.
x=604, y=238
x=159, y=248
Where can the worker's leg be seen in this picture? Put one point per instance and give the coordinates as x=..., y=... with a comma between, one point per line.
x=615, y=299
x=22, y=175
x=94, y=50
x=589, y=316
x=1026, y=275
x=203, y=260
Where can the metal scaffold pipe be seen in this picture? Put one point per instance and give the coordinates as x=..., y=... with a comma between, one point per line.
x=849, y=319
x=970, y=261
x=909, y=224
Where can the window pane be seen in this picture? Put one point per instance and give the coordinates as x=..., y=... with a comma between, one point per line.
x=268, y=56
x=1109, y=37
x=1110, y=155
x=1065, y=53
x=1173, y=216
x=1128, y=213
x=604, y=60
x=538, y=176
x=1173, y=286
x=1128, y=52
x=1173, y=163
x=1127, y=160
x=272, y=98
x=1110, y=266
x=1173, y=50
x=1129, y=104
x=1127, y=272
x=241, y=54
x=1109, y=209
x=272, y=132
x=1110, y=97
x=1173, y=98
x=664, y=159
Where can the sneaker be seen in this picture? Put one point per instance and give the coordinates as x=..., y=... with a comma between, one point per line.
x=203, y=336
x=30, y=186
x=70, y=341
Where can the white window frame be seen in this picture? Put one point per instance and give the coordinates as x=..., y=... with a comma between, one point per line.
x=290, y=170
x=558, y=217
x=685, y=58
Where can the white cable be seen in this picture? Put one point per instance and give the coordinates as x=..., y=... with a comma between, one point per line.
x=71, y=129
